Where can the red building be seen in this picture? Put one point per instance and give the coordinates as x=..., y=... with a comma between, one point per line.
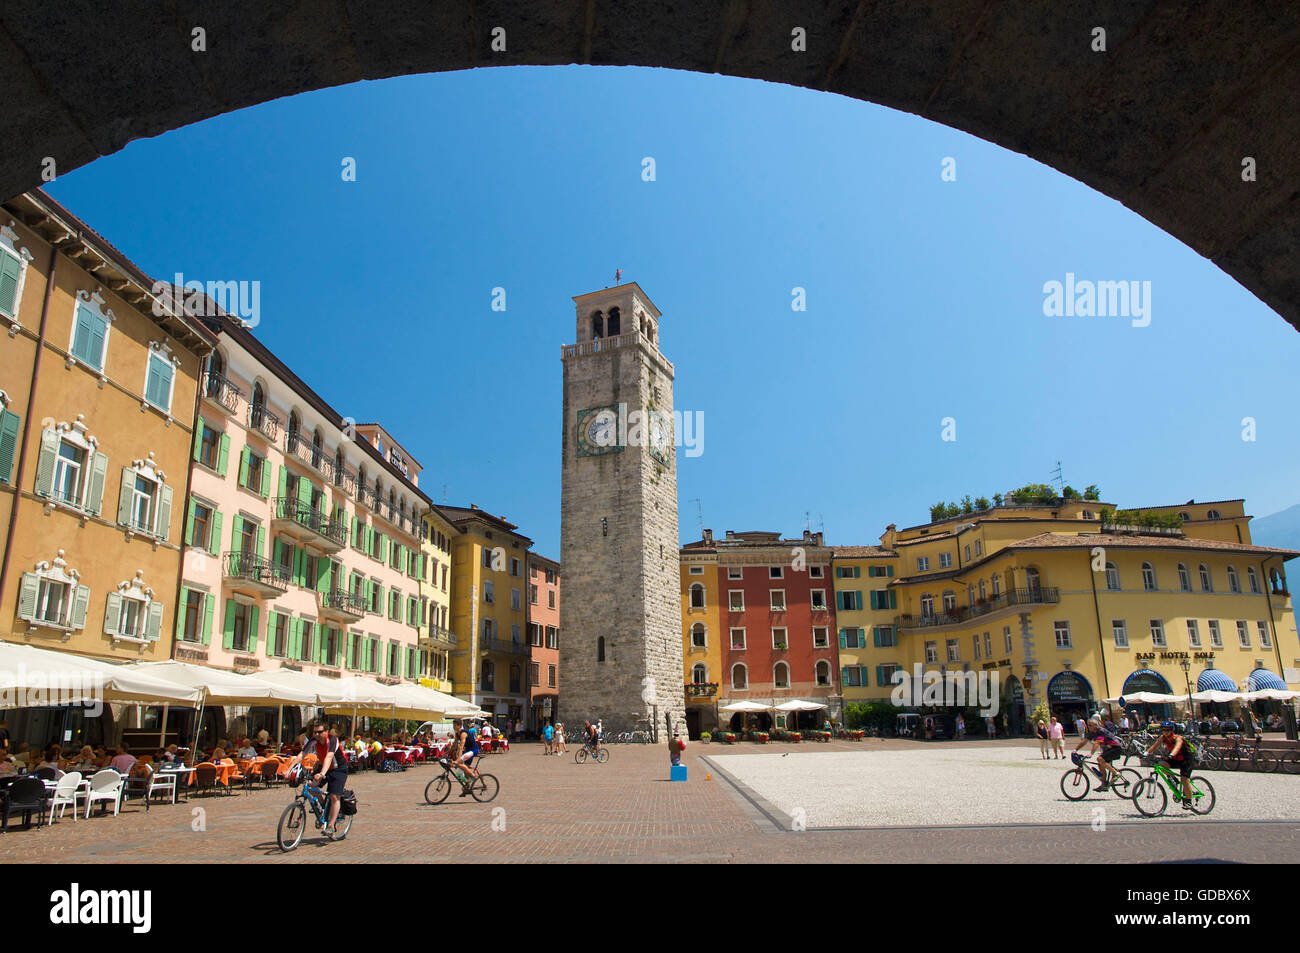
x=543, y=640
x=778, y=624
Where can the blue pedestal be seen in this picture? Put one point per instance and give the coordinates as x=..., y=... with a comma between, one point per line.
x=678, y=772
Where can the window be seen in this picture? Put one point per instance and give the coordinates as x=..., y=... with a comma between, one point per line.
x=945, y=560
x=997, y=585
x=532, y=594
x=159, y=378
x=90, y=332
x=534, y=635
x=516, y=568
x=983, y=593
x=988, y=646
x=1234, y=584
x=256, y=473
x=775, y=572
x=515, y=678
x=1112, y=576
x=488, y=676
x=142, y=503
x=280, y=635
x=954, y=651
x=1207, y=584
x=979, y=547
x=550, y=599
x=699, y=636
x=821, y=637
x=487, y=558
x=1148, y=577
x=516, y=599
x=306, y=640
x=600, y=649
x=781, y=675
x=1193, y=634
x=1216, y=637
x=697, y=595
x=1254, y=580
x=966, y=552
x=1062, y=631
x=487, y=629
x=1006, y=637
x=853, y=639
x=239, y=621
x=780, y=639
x=489, y=596
x=1213, y=515
x=739, y=677
x=852, y=676
x=1264, y=641
x=736, y=600
x=192, y=619
x=927, y=605
x=976, y=640
x=848, y=601
x=884, y=636
x=815, y=572
x=777, y=599
x=534, y=674
x=1184, y=578
x=848, y=572
x=922, y=563
x=201, y=527
x=12, y=272
x=1243, y=634
x=818, y=598
x=886, y=674
x=823, y=672
x=932, y=651
x=883, y=599
x=552, y=638
x=737, y=638
x=735, y=573
x=696, y=570
x=550, y=676
x=1158, y=634
x=949, y=601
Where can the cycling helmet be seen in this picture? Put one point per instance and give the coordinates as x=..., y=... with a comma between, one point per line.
x=1168, y=726
x=295, y=775
x=1076, y=757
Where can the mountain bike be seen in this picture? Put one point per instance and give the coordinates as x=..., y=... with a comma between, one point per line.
x=1259, y=760
x=293, y=821
x=482, y=788
x=1075, y=783
x=1149, y=795
x=585, y=752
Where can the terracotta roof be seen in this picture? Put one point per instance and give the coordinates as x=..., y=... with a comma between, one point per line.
x=862, y=552
x=946, y=534
x=1057, y=541
x=1174, y=506
x=461, y=514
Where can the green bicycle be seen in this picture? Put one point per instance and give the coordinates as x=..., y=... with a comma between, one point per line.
x=1150, y=798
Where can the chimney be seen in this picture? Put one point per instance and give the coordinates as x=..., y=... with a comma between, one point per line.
x=708, y=535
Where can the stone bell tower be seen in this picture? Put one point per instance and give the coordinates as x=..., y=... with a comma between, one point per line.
x=620, y=618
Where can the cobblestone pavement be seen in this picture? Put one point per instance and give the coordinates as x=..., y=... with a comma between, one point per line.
x=554, y=810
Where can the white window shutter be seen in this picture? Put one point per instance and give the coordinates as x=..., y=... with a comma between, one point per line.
x=27, y=595
x=113, y=614
x=45, y=463
x=163, y=522
x=124, y=497
x=80, y=603
x=153, y=624
x=98, y=478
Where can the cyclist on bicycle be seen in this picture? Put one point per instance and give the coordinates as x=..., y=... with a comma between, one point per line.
x=467, y=748
x=1111, y=748
x=1180, y=755
x=331, y=768
x=593, y=737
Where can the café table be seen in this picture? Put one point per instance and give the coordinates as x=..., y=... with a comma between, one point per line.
x=184, y=778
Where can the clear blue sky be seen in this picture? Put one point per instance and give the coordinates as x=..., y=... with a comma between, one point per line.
x=924, y=297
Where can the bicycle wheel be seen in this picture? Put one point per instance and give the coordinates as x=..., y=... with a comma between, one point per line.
x=1205, y=803
x=603, y=756
x=293, y=821
x=1126, y=783
x=485, y=788
x=1149, y=797
x=580, y=756
x=342, y=825
x=1075, y=784
x=1291, y=765
x=436, y=791
x=1264, y=761
x=1231, y=760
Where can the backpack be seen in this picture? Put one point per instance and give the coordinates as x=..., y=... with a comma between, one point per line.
x=348, y=802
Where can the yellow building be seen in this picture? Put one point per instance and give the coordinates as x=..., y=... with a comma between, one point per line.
x=865, y=610
x=701, y=634
x=1071, y=607
x=437, y=640
x=488, y=612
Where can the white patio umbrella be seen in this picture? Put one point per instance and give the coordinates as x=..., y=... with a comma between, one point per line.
x=1213, y=695
x=798, y=704
x=34, y=678
x=1269, y=694
x=745, y=706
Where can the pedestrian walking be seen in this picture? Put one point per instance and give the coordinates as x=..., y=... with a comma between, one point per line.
x=1056, y=734
x=961, y=727
x=548, y=738
x=560, y=746
x=1079, y=725
x=990, y=728
x=1041, y=731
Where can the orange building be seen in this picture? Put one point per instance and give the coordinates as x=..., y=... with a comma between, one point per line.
x=543, y=640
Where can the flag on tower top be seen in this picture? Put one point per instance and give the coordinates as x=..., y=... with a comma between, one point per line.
x=618, y=275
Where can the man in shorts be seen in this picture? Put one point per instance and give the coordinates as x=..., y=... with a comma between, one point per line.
x=1110, y=746
x=548, y=736
x=331, y=772
x=1180, y=756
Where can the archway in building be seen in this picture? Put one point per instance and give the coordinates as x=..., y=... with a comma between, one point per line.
x=1171, y=130
x=1070, y=696
x=1147, y=680
x=1013, y=708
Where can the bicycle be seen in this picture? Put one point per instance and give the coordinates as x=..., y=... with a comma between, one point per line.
x=586, y=751
x=1075, y=783
x=293, y=820
x=482, y=788
x=1149, y=795
x=1259, y=760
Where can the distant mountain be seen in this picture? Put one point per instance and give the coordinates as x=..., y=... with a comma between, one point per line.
x=1280, y=529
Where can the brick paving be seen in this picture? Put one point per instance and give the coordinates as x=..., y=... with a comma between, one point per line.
x=553, y=810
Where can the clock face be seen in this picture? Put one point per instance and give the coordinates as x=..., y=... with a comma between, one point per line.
x=660, y=437
x=598, y=431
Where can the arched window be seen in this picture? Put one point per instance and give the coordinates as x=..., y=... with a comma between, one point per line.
x=597, y=326
x=316, y=451
x=1184, y=578
x=1254, y=579
x=1148, y=577
x=1185, y=517
x=823, y=672
x=949, y=600
x=600, y=649
x=216, y=374
x=614, y=325
x=982, y=591
x=699, y=636
x=927, y=605
x=1207, y=584
x=258, y=409
x=970, y=595
x=781, y=675
x=1233, y=582
x=699, y=673
x=291, y=438
x=338, y=466
x=739, y=676
x=697, y=595
x=1277, y=581
x=1214, y=515
x=1112, y=576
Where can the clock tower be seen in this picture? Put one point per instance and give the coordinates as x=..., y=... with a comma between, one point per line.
x=620, y=618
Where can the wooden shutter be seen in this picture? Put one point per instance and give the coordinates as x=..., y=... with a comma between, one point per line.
x=223, y=454
x=261, y=541
x=208, y=602
x=295, y=638
x=844, y=643
x=284, y=482
x=80, y=605
x=11, y=269
x=98, y=480
x=323, y=566
x=880, y=676
x=214, y=534
x=153, y=624
x=243, y=467
x=197, y=451
x=183, y=611
x=45, y=463
x=265, y=489
x=228, y=626
x=163, y=518
x=8, y=444
x=113, y=614
x=253, y=631
x=27, y=596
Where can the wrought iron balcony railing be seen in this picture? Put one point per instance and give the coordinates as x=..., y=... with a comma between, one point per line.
x=219, y=389
x=256, y=569
x=343, y=601
x=1035, y=595
x=264, y=422
x=288, y=508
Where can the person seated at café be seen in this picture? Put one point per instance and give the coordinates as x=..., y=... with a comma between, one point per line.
x=124, y=761
x=263, y=736
x=171, y=755
x=85, y=760
x=8, y=767
x=247, y=751
x=218, y=755
x=51, y=760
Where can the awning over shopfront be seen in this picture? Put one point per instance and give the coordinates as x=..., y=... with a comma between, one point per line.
x=1145, y=680
x=37, y=678
x=1262, y=678
x=1212, y=679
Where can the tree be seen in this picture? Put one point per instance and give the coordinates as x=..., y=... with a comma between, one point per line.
x=938, y=512
x=997, y=499
x=981, y=503
x=953, y=510
x=966, y=505
x=1040, y=713
x=1091, y=492
x=1069, y=493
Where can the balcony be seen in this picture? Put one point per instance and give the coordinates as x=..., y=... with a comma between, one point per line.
x=1012, y=598
x=346, y=479
x=341, y=605
x=439, y=637
x=221, y=394
x=300, y=522
x=254, y=575
x=701, y=690
x=366, y=497
x=298, y=448
x=263, y=423
x=505, y=646
x=391, y=514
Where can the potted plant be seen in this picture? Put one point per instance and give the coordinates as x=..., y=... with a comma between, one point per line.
x=761, y=737
x=729, y=738
x=706, y=736
x=793, y=736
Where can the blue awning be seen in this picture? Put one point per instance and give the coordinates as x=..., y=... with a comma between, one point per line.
x=1214, y=680
x=1147, y=680
x=1262, y=678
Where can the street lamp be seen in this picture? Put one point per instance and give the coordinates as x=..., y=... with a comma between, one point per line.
x=1187, y=667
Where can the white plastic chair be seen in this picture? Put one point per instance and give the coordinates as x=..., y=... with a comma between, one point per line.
x=106, y=785
x=160, y=783
x=66, y=792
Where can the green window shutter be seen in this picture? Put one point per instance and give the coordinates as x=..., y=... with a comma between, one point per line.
x=223, y=454
x=198, y=439
x=893, y=599
x=98, y=480
x=228, y=627
x=295, y=638
x=11, y=269
x=45, y=463
x=857, y=599
x=383, y=548
x=243, y=467
x=284, y=482
x=323, y=575
x=844, y=675
x=880, y=676
x=265, y=489
x=189, y=524
x=890, y=573
x=857, y=572
x=180, y=614
x=8, y=444
x=208, y=603
x=299, y=558
x=113, y=614
x=214, y=537
x=254, y=632
x=80, y=605
x=875, y=636
x=843, y=639
x=27, y=596
x=304, y=492
x=261, y=541
x=124, y=497
x=163, y=518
